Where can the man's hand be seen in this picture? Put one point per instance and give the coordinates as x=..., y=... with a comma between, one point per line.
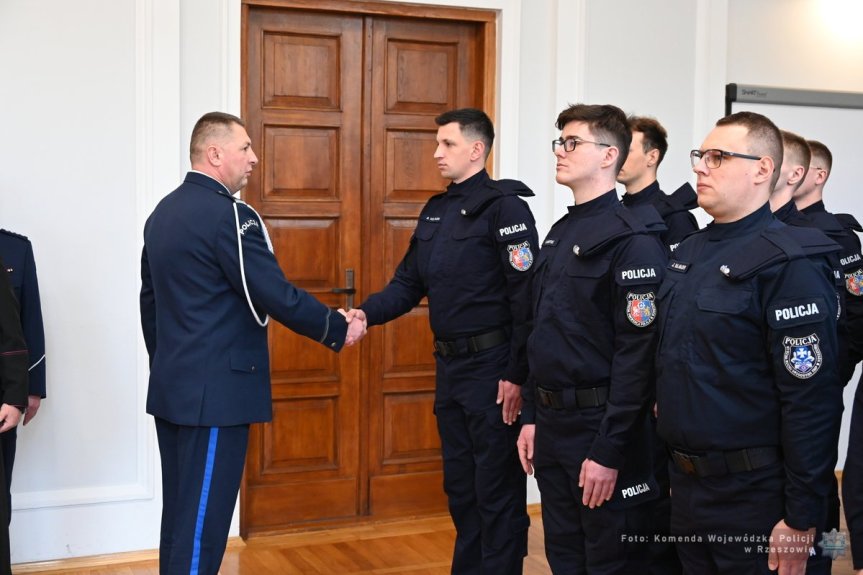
x=33, y=403
x=597, y=483
x=509, y=394
x=9, y=416
x=525, y=447
x=789, y=549
x=357, y=325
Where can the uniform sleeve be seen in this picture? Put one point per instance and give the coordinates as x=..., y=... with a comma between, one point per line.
x=517, y=251
x=147, y=302
x=801, y=320
x=638, y=271
x=853, y=276
x=404, y=291
x=13, y=351
x=31, y=322
x=268, y=289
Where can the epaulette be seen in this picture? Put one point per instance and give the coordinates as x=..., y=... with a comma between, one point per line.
x=612, y=225
x=849, y=222
x=683, y=199
x=14, y=235
x=493, y=190
x=827, y=222
x=776, y=244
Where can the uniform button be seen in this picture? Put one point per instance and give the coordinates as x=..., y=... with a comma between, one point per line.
x=253, y=368
x=333, y=344
x=725, y=270
x=463, y=212
x=576, y=249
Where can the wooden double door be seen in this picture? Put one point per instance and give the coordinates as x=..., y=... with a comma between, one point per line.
x=340, y=99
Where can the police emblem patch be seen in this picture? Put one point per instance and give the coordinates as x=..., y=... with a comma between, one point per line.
x=854, y=282
x=640, y=308
x=520, y=256
x=802, y=356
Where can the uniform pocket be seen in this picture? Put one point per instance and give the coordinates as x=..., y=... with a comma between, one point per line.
x=721, y=300
x=248, y=361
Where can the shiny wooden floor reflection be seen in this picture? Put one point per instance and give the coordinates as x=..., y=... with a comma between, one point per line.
x=411, y=547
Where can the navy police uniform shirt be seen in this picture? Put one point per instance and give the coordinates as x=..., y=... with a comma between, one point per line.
x=842, y=229
x=13, y=350
x=471, y=254
x=17, y=254
x=594, y=294
x=747, y=351
x=674, y=210
x=209, y=362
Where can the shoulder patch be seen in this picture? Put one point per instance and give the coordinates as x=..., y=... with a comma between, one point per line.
x=641, y=308
x=847, y=260
x=798, y=311
x=520, y=256
x=802, y=356
x=645, y=274
x=854, y=282
x=516, y=229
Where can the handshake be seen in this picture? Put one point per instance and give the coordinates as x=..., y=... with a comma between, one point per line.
x=357, y=325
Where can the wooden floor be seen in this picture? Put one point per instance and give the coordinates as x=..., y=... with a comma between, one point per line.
x=415, y=547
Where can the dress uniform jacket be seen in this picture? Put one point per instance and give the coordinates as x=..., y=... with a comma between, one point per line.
x=674, y=210
x=470, y=254
x=747, y=360
x=594, y=309
x=13, y=349
x=209, y=362
x=17, y=254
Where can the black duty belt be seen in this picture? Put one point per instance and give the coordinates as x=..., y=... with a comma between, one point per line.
x=570, y=398
x=470, y=345
x=724, y=462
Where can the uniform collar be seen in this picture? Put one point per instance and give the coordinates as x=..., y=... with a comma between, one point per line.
x=596, y=205
x=468, y=185
x=788, y=212
x=207, y=181
x=642, y=197
x=757, y=220
x=816, y=207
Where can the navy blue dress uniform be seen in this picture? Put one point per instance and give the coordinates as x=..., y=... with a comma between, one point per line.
x=208, y=281
x=590, y=355
x=14, y=364
x=471, y=254
x=748, y=389
x=17, y=254
x=674, y=210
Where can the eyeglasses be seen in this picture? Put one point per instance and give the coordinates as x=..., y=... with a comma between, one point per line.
x=569, y=144
x=713, y=157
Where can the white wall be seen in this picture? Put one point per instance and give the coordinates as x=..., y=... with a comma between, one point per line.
x=100, y=97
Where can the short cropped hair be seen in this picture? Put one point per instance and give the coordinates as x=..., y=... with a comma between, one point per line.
x=474, y=124
x=821, y=154
x=208, y=127
x=654, y=136
x=763, y=138
x=607, y=123
x=797, y=150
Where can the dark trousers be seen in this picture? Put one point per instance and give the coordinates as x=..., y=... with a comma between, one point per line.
x=852, y=479
x=605, y=540
x=723, y=522
x=201, y=472
x=5, y=518
x=483, y=479
x=8, y=445
x=663, y=551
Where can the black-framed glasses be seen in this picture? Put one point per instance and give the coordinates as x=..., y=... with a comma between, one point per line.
x=569, y=144
x=713, y=157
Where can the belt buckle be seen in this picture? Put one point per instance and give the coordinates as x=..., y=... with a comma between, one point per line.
x=443, y=348
x=685, y=462
x=544, y=397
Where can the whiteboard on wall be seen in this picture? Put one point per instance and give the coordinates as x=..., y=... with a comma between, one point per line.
x=836, y=120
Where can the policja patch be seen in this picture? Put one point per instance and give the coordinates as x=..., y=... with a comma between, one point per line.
x=641, y=308
x=802, y=356
x=520, y=256
x=854, y=282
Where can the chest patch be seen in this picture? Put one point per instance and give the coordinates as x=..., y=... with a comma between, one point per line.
x=520, y=256
x=641, y=308
x=854, y=282
x=802, y=356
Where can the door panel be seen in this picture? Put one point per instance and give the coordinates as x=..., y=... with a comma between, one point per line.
x=340, y=100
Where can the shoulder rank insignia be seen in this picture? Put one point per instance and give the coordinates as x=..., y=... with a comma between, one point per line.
x=802, y=356
x=520, y=256
x=640, y=308
x=854, y=282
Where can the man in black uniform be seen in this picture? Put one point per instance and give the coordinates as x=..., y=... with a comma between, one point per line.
x=13, y=391
x=638, y=175
x=471, y=254
x=590, y=355
x=748, y=393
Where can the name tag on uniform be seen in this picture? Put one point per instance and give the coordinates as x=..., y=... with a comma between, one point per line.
x=678, y=266
x=550, y=242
